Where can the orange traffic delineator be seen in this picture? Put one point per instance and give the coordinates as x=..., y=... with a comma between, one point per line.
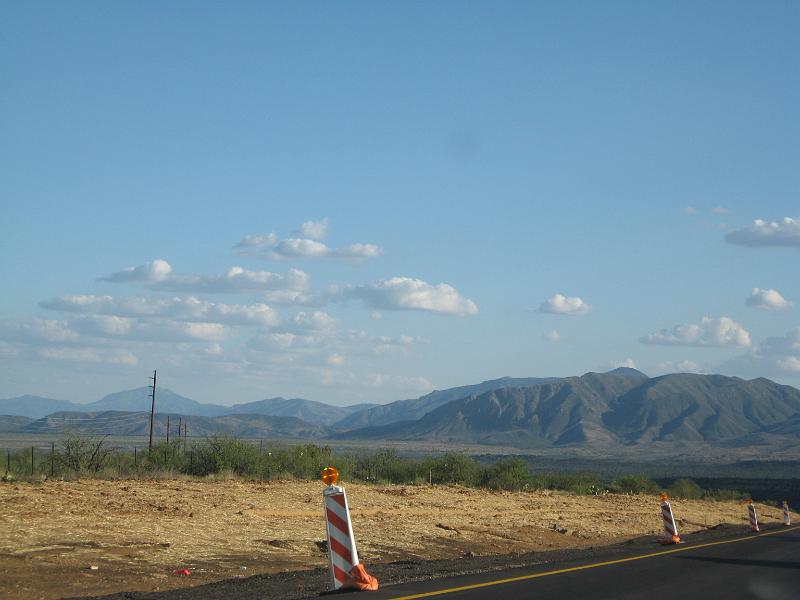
x=752, y=516
x=346, y=571
x=671, y=535
x=787, y=520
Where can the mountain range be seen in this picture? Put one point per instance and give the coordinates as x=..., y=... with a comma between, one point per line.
x=623, y=407
x=167, y=401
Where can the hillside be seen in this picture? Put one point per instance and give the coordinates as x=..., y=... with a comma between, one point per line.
x=11, y=423
x=409, y=410
x=34, y=407
x=139, y=400
x=138, y=424
x=317, y=413
x=606, y=409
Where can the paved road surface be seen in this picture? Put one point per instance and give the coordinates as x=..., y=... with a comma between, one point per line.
x=751, y=567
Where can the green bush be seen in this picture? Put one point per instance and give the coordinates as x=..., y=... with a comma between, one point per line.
x=506, y=474
x=635, y=484
x=686, y=489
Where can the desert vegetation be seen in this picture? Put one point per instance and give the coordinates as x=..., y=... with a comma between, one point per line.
x=228, y=457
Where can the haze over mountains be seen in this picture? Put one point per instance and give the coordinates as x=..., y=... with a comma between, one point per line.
x=623, y=407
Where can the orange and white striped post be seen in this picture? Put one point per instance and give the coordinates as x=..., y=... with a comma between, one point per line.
x=345, y=569
x=751, y=514
x=787, y=520
x=670, y=528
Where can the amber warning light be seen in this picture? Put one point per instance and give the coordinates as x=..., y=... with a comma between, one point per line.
x=330, y=476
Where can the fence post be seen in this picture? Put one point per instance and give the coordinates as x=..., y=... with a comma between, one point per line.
x=8, y=461
x=32, y=461
x=52, y=458
x=135, y=459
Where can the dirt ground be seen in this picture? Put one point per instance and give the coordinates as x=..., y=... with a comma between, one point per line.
x=91, y=537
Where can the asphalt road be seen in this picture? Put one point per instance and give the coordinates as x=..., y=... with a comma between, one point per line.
x=754, y=567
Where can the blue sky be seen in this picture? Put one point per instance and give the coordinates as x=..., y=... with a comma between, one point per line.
x=488, y=189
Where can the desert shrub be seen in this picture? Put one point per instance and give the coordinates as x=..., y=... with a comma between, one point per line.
x=163, y=457
x=506, y=474
x=453, y=467
x=385, y=466
x=218, y=453
x=576, y=483
x=83, y=454
x=635, y=484
x=686, y=489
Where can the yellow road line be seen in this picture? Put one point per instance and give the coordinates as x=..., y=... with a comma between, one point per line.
x=618, y=561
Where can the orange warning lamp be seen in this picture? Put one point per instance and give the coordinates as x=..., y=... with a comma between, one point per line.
x=664, y=497
x=750, y=501
x=330, y=476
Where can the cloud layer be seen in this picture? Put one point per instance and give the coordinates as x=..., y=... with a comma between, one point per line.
x=180, y=309
x=710, y=332
x=158, y=275
x=767, y=233
x=308, y=245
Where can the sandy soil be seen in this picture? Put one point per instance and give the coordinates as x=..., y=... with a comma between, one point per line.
x=138, y=533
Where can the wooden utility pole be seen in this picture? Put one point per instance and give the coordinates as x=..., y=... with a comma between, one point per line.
x=184, y=437
x=180, y=420
x=167, y=430
x=152, y=411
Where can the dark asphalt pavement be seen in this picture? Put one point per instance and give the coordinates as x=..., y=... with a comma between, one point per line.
x=751, y=567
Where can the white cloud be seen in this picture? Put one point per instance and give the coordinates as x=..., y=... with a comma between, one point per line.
x=158, y=275
x=336, y=360
x=375, y=315
x=552, y=336
x=682, y=366
x=720, y=210
x=356, y=251
x=768, y=299
x=308, y=245
x=7, y=350
x=301, y=248
x=562, y=305
x=294, y=298
x=406, y=293
x=709, y=332
x=774, y=355
x=315, y=230
x=237, y=279
x=151, y=330
x=37, y=330
x=628, y=363
x=318, y=321
x=154, y=271
x=111, y=356
x=690, y=210
x=790, y=363
x=266, y=240
x=180, y=309
x=399, y=381
x=384, y=344
x=767, y=233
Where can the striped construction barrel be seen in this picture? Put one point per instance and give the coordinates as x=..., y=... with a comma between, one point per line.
x=670, y=528
x=751, y=513
x=342, y=555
